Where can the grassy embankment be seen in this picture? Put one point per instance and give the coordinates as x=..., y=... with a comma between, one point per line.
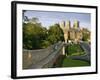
x=71, y=50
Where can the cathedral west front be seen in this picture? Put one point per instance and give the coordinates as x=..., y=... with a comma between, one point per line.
x=71, y=33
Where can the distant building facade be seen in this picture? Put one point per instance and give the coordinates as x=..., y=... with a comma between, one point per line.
x=74, y=33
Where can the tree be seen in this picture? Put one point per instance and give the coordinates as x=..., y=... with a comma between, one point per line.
x=86, y=34
x=55, y=34
x=33, y=36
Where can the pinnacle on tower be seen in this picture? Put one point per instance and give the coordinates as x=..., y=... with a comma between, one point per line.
x=61, y=24
x=76, y=24
x=68, y=25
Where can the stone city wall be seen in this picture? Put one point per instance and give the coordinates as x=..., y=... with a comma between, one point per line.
x=33, y=57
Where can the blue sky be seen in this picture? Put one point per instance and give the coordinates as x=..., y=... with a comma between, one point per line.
x=48, y=18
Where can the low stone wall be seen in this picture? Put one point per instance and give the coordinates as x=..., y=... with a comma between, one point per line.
x=32, y=57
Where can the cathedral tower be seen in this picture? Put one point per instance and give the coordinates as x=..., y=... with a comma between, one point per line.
x=76, y=24
x=65, y=26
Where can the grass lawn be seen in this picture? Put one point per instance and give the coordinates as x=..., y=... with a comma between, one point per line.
x=74, y=49
x=67, y=62
x=71, y=50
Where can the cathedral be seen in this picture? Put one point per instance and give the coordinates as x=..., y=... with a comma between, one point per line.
x=71, y=34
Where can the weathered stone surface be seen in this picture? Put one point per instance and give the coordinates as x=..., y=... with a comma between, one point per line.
x=41, y=57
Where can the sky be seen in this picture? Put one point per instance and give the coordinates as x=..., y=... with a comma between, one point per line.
x=48, y=18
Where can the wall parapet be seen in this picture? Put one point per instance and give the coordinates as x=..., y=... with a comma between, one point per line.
x=34, y=57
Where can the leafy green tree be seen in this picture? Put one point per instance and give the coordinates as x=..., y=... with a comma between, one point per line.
x=86, y=34
x=55, y=34
x=45, y=44
x=33, y=36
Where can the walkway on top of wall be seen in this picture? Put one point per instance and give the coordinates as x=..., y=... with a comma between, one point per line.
x=48, y=58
